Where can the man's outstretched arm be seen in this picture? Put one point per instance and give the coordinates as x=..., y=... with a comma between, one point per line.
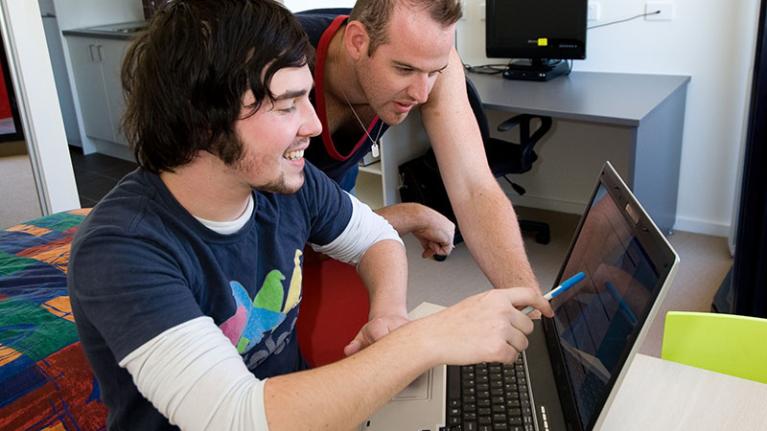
x=485, y=216
x=482, y=328
x=194, y=376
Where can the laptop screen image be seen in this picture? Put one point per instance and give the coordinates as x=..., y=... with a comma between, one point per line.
x=597, y=323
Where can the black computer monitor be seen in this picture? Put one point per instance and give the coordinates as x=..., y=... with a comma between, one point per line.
x=538, y=35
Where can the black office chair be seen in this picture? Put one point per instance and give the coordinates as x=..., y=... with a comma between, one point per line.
x=421, y=180
x=506, y=157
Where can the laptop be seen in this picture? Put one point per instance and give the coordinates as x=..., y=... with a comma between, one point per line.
x=575, y=362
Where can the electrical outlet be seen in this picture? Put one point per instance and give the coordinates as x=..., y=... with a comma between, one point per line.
x=594, y=11
x=482, y=11
x=659, y=11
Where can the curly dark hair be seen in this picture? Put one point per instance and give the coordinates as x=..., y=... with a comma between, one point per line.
x=184, y=78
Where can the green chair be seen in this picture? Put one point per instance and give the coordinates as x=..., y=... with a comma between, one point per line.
x=724, y=343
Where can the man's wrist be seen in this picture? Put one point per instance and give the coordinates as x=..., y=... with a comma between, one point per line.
x=425, y=217
x=388, y=312
x=409, y=216
x=522, y=283
x=417, y=337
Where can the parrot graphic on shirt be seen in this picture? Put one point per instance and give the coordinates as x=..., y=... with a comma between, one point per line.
x=254, y=318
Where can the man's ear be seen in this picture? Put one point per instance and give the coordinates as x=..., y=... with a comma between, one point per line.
x=356, y=40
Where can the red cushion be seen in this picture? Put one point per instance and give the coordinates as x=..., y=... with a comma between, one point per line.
x=333, y=309
x=5, y=103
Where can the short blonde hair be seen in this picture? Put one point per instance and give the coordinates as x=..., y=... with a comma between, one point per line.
x=376, y=14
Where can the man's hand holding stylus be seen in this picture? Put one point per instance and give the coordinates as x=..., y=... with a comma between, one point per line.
x=487, y=327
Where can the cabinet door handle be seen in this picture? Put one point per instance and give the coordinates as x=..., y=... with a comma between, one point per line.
x=90, y=50
x=101, y=57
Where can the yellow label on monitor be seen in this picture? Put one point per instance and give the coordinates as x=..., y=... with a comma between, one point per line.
x=543, y=41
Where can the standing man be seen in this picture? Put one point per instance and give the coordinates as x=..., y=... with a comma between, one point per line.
x=185, y=280
x=375, y=66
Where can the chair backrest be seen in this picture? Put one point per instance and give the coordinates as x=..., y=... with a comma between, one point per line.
x=326, y=11
x=724, y=343
x=523, y=157
x=476, y=106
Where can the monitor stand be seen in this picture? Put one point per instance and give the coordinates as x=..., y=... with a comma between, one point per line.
x=536, y=69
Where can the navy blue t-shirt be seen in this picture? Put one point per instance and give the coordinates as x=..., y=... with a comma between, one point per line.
x=142, y=264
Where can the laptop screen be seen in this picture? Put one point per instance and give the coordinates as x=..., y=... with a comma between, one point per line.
x=626, y=262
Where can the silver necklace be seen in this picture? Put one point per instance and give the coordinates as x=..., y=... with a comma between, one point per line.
x=375, y=148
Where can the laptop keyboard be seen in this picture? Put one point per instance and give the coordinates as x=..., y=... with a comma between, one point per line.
x=489, y=397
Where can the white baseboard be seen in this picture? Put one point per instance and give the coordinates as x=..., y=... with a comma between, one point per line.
x=705, y=227
x=685, y=224
x=114, y=150
x=569, y=207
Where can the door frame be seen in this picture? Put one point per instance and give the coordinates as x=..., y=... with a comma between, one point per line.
x=30, y=69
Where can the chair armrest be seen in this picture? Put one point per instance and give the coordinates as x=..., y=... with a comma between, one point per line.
x=513, y=122
x=523, y=121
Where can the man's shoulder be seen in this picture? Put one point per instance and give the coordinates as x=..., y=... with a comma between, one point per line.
x=124, y=210
x=316, y=21
x=322, y=14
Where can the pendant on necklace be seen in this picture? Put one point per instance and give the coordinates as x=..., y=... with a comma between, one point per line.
x=375, y=149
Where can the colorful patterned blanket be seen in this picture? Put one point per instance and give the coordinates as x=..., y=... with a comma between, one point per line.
x=45, y=380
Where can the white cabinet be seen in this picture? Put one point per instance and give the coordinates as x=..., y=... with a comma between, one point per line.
x=112, y=53
x=369, y=185
x=96, y=64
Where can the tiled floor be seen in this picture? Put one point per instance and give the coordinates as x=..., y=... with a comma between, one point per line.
x=96, y=174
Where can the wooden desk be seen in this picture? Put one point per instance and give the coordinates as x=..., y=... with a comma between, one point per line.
x=648, y=109
x=664, y=395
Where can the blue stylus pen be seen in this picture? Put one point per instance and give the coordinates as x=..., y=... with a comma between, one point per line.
x=562, y=288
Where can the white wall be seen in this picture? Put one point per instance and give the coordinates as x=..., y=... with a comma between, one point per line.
x=88, y=13
x=39, y=109
x=710, y=40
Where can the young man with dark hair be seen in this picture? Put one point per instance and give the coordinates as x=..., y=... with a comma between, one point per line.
x=185, y=280
x=374, y=67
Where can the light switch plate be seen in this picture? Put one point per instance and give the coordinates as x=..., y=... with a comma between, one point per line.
x=594, y=11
